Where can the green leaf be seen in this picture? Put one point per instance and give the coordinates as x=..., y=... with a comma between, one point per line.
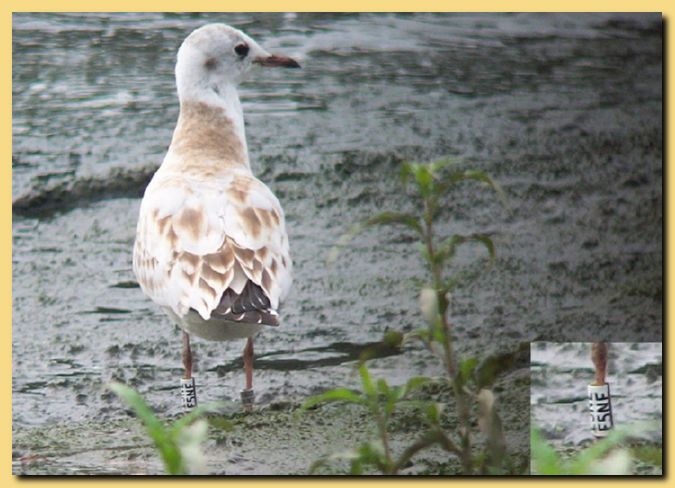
x=336, y=395
x=393, y=339
x=423, y=334
x=136, y=402
x=447, y=248
x=471, y=175
x=319, y=463
x=390, y=218
x=463, y=276
x=367, y=382
x=416, y=382
x=433, y=413
x=167, y=447
x=422, y=248
x=487, y=370
x=466, y=368
x=487, y=242
x=356, y=467
x=583, y=462
x=396, y=393
x=373, y=453
x=545, y=459
x=438, y=332
x=652, y=455
x=190, y=417
x=424, y=180
x=382, y=387
x=406, y=173
x=482, y=176
x=383, y=218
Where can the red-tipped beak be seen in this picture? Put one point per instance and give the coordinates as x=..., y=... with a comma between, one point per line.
x=275, y=61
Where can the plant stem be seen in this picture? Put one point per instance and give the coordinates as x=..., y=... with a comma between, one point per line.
x=429, y=242
x=449, y=357
x=436, y=273
x=390, y=468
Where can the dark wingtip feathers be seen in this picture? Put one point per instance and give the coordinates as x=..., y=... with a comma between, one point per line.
x=252, y=306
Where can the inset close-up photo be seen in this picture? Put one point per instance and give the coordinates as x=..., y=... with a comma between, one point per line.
x=596, y=408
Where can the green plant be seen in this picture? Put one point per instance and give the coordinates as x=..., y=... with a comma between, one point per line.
x=380, y=399
x=469, y=379
x=608, y=456
x=179, y=444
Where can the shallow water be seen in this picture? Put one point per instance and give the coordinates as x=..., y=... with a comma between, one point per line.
x=563, y=110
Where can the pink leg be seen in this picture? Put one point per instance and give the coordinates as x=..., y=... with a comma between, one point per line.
x=599, y=357
x=187, y=384
x=247, y=395
x=248, y=363
x=187, y=356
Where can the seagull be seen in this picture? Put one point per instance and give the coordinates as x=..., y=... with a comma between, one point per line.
x=211, y=245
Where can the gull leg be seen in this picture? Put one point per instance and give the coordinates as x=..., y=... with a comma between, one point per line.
x=599, y=398
x=599, y=357
x=247, y=395
x=187, y=356
x=187, y=383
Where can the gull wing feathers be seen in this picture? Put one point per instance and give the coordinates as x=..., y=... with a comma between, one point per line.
x=217, y=245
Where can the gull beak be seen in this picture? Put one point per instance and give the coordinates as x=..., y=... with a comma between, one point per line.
x=275, y=61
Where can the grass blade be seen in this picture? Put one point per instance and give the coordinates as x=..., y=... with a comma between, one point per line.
x=336, y=395
x=169, y=451
x=367, y=382
x=545, y=459
x=383, y=218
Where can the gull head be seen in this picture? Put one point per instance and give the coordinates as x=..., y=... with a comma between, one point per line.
x=217, y=55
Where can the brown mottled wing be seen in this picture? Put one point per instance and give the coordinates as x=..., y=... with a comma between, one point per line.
x=214, y=245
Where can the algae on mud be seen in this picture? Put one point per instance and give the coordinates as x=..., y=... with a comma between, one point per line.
x=564, y=110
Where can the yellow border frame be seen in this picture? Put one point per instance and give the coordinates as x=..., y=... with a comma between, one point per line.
x=6, y=478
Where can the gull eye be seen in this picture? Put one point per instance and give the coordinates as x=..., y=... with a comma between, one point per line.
x=241, y=50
